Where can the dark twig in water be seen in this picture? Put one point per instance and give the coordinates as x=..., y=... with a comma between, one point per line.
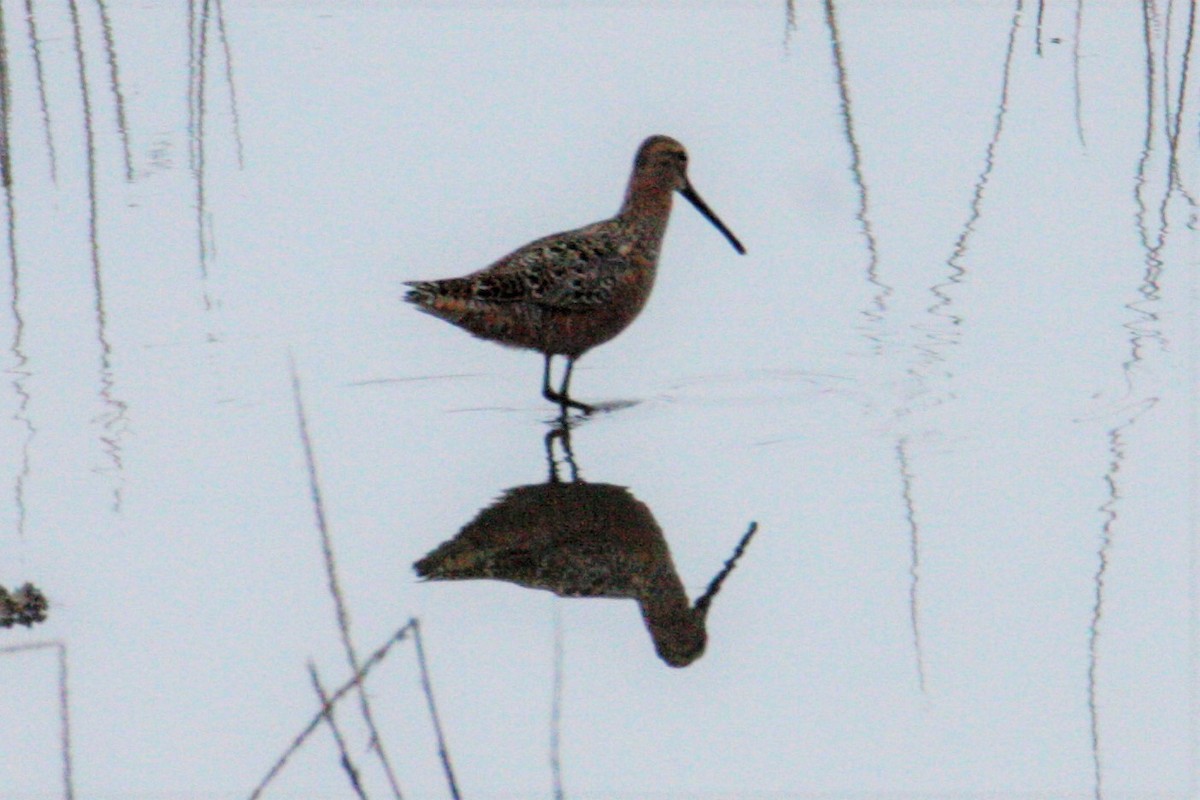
x=1041, y=13
x=335, y=590
x=1148, y=24
x=198, y=27
x=1108, y=510
x=1077, y=79
x=113, y=418
x=336, y=697
x=556, y=697
x=7, y=183
x=35, y=46
x=90, y=147
x=193, y=69
x=989, y=158
x=942, y=297
x=21, y=416
x=914, y=564
x=327, y=712
x=1145, y=326
x=1176, y=114
x=223, y=34
x=64, y=717
x=114, y=75
x=789, y=24
x=427, y=687
x=1169, y=121
x=6, y=179
x=64, y=707
x=18, y=369
x=1154, y=236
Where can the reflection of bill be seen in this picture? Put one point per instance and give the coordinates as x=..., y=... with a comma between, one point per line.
x=584, y=540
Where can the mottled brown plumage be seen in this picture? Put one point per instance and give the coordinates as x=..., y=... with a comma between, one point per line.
x=564, y=294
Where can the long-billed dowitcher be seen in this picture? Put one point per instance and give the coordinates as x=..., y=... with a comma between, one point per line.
x=564, y=294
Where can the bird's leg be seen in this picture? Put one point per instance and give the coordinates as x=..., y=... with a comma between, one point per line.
x=547, y=392
x=561, y=396
x=565, y=395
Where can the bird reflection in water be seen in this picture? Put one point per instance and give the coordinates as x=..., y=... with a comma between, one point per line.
x=580, y=539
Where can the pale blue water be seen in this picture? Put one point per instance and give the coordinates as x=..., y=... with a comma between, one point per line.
x=962, y=412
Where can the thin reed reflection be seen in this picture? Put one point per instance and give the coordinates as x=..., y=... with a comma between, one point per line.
x=914, y=566
x=580, y=539
x=203, y=15
x=949, y=332
x=114, y=83
x=35, y=48
x=878, y=306
x=18, y=368
x=113, y=416
x=64, y=703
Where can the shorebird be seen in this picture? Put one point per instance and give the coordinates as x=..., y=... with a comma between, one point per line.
x=566, y=293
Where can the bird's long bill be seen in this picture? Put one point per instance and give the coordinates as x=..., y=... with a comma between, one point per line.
x=703, y=208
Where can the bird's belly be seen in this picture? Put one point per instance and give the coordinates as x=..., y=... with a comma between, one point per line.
x=573, y=331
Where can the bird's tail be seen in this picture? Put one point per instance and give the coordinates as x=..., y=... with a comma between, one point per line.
x=421, y=293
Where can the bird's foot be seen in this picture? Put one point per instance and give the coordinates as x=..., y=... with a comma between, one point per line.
x=564, y=401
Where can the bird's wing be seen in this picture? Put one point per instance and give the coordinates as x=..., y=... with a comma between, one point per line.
x=565, y=271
